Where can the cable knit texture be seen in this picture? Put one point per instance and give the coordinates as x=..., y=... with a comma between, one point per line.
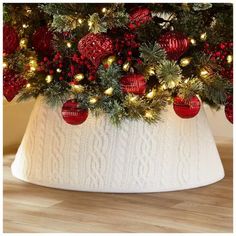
x=97, y=156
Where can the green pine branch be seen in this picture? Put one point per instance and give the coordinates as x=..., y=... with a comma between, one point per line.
x=152, y=53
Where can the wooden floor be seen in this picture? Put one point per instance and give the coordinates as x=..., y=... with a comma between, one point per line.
x=31, y=208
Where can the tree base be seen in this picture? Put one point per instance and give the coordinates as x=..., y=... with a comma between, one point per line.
x=96, y=156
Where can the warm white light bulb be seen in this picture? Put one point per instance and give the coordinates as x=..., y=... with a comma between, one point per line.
x=93, y=100
x=109, y=91
x=68, y=44
x=104, y=10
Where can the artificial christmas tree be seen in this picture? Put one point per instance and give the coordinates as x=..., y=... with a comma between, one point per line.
x=127, y=63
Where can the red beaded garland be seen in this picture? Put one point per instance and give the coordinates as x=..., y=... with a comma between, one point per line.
x=133, y=83
x=186, y=109
x=95, y=47
x=174, y=43
x=10, y=39
x=72, y=113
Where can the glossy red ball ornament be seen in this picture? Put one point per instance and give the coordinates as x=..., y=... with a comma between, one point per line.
x=133, y=83
x=12, y=84
x=42, y=41
x=139, y=16
x=229, y=109
x=186, y=109
x=72, y=113
x=174, y=43
x=95, y=47
x=10, y=39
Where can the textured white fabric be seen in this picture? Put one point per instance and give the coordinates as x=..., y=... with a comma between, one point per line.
x=97, y=156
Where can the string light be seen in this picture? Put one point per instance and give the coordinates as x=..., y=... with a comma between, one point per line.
x=192, y=41
x=229, y=59
x=185, y=61
x=151, y=94
x=32, y=68
x=79, y=77
x=171, y=84
x=104, y=10
x=109, y=91
x=78, y=88
x=186, y=81
x=133, y=99
x=110, y=60
x=163, y=87
x=29, y=11
x=33, y=64
x=5, y=65
x=28, y=85
x=80, y=21
x=149, y=114
x=68, y=44
x=126, y=66
x=151, y=71
x=203, y=36
x=58, y=70
x=23, y=43
x=25, y=26
x=204, y=73
x=90, y=23
x=93, y=100
x=49, y=78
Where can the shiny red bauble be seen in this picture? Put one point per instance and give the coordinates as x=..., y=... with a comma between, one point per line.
x=10, y=39
x=139, y=16
x=42, y=40
x=95, y=47
x=229, y=109
x=12, y=84
x=174, y=43
x=72, y=113
x=133, y=83
x=186, y=108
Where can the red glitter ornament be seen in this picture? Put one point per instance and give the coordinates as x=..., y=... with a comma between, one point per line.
x=139, y=16
x=229, y=109
x=12, y=84
x=174, y=43
x=42, y=41
x=186, y=108
x=10, y=39
x=133, y=83
x=95, y=47
x=72, y=113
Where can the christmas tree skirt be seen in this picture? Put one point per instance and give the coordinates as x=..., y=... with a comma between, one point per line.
x=97, y=156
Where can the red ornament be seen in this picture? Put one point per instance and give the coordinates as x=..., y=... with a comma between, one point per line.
x=42, y=40
x=133, y=83
x=10, y=39
x=174, y=43
x=72, y=113
x=139, y=16
x=186, y=109
x=95, y=47
x=229, y=109
x=12, y=84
